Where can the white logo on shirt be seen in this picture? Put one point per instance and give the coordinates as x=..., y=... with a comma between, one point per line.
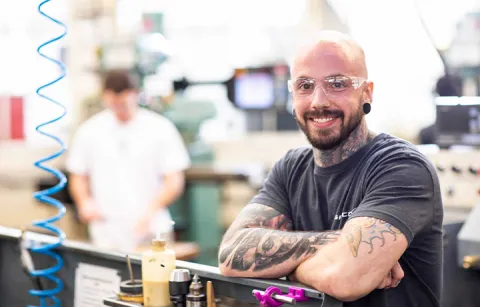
x=343, y=215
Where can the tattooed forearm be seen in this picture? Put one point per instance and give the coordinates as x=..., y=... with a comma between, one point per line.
x=365, y=231
x=261, y=239
x=258, y=249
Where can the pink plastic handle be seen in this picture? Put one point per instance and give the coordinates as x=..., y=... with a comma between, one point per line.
x=298, y=294
x=266, y=299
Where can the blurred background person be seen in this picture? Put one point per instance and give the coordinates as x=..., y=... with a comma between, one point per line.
x=126, y=165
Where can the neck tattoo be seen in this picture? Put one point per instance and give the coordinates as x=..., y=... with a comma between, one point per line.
x=356, y=140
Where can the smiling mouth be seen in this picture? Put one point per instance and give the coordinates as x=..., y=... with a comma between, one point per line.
x=322, y=120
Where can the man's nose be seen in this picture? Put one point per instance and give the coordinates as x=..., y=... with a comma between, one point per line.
x=320, y=98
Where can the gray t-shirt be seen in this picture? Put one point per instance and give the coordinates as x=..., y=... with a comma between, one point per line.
x=388, y=179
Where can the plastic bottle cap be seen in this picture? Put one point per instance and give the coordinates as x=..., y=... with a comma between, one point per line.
x=158, y=244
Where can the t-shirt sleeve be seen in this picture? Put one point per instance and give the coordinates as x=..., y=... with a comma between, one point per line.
x=401, y=193
x=274, y=190
x=173, y=153
x=77, y=161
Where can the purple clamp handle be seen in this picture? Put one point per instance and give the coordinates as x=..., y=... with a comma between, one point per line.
x=273, y=296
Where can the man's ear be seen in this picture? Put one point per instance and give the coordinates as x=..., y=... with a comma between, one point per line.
x=368, y=94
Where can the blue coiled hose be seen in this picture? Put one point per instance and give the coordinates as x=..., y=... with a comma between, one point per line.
x=44, y=196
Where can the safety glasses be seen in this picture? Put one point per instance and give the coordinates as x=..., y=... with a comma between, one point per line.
x=303, y=88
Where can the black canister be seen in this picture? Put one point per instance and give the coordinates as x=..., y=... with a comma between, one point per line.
x=179, y=286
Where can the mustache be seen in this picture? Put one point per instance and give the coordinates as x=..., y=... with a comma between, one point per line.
x=323, y=113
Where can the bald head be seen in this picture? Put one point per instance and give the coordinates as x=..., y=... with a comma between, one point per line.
x=331, y=50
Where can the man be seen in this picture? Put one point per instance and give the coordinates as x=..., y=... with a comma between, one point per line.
x=358, y=216
x=126, y=166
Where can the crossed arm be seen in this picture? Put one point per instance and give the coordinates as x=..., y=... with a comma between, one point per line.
x=346, y=264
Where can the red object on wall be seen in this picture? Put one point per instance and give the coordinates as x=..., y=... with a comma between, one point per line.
x=12, y=118
x=16, y=115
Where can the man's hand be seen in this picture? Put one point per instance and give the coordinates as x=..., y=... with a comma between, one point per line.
x=393, y=277
x=173, y=184
x=89, y=212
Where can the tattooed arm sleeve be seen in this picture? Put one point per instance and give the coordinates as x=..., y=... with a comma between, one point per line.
x=261, y=243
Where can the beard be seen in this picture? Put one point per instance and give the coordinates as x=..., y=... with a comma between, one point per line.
x=326, y=139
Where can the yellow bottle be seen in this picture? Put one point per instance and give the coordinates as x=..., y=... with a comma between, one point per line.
x=157, y=264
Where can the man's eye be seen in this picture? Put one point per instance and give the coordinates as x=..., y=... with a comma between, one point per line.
x=338, y=84
x=306, y=86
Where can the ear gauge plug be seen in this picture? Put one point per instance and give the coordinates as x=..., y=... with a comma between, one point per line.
x=367, y=107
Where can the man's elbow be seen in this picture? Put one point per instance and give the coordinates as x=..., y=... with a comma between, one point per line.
x=224, y=264
x=229, y=272
x=226, y=270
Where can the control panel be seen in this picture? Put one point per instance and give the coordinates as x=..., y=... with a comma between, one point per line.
x=459, y=175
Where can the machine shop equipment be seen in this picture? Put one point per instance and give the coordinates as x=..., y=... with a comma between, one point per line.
x=457, y=163
x=456, y=158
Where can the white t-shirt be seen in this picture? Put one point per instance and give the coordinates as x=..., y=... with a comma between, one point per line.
x=125, y=163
